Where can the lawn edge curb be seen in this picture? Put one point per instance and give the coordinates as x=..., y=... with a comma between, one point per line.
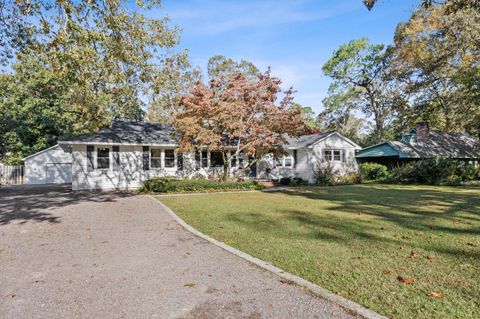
x=315, y=289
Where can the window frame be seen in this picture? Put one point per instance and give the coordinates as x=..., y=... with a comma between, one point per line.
x=331, y=155
x=107, y=147
x=174, y=163
x=155, y=157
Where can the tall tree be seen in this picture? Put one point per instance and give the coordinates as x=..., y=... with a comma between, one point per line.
x=360, y=75
x=437, y=53
x=244, y=115
x=103, y=58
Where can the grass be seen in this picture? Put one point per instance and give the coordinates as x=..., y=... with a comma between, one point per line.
x=364, y=242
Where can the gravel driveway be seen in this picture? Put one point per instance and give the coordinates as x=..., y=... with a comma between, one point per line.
x=114, y=255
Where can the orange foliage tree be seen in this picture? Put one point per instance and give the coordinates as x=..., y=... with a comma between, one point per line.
x=238, y=117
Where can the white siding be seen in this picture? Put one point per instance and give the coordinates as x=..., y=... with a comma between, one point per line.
x=307, y=159
x=54, y=160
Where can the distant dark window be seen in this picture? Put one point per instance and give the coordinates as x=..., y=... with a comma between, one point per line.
x=146, y=158
x=288, y=161
x=103, y=157
x=216, y=159
x=156, y=158
x=204, y=159
x=169, y=158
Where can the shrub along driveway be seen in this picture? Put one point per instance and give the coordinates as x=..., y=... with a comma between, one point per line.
x=107, y=255
x=403, y=251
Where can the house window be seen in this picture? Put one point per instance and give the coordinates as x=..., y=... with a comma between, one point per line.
x=103, y=157
x=204, y=159
x=216, y=159
x=336, y=155
x=288, y=161
x=156, y=158
x=332, y=155
x=169, y=158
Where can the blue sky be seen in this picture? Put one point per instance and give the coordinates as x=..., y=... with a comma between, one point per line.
x=294, y=38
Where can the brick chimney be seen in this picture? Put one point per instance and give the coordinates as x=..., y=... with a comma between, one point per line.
x=423, y=131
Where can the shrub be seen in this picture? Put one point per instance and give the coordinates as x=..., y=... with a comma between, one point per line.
x=284, y=181
x=373, y=172
x=325, y=174
x=438, y=171
x=173, y=185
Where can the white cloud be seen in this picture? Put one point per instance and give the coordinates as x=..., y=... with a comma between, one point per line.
x=215, y=16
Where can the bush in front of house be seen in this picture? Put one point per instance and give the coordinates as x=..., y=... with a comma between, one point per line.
x=173, y=185
x=437, y=171
x=325, y=174
x=373, y=172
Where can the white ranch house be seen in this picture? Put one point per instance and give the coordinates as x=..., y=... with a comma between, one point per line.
x=128, y=153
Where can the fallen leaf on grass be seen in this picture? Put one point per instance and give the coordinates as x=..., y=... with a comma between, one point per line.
x=405, y=280
x=357, y=257
x=387, y=271
x=436, y=294
x=456, y=222
x=407, y=237
x=334, y=273
x=413, y=254
x=337, y=293
x=190, y=285
x=471, y=244
x=430, y=257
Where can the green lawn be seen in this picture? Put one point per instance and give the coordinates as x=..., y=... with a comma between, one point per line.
x=359, y=241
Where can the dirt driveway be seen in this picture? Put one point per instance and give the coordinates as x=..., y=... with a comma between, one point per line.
x=113, y=255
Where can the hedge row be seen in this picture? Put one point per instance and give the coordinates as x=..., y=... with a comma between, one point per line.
x=438, y=171
x=172, y=185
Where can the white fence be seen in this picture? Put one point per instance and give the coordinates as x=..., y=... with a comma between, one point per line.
x=11, y=175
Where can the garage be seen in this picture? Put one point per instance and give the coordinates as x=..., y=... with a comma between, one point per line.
x=50, y=166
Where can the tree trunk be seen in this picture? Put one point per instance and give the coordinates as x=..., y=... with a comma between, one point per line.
x=226, y=166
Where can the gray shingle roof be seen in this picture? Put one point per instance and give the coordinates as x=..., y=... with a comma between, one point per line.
x=305, y=140
x=129, y=133
x=441, y=144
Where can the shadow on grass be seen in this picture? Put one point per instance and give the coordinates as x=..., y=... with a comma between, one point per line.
x=444, y=215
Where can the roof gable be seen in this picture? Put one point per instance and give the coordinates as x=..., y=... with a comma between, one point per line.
x=305, y=141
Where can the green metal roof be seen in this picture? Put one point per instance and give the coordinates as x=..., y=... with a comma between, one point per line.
x=379, y=150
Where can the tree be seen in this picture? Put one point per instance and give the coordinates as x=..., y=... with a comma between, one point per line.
x=173, y=81
x=243, y=117
x=436, y=53
x=307, y=114
x=454, y=4
x=102, y=58
x=360, y=76
x=338, y=116
x=220, y=66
